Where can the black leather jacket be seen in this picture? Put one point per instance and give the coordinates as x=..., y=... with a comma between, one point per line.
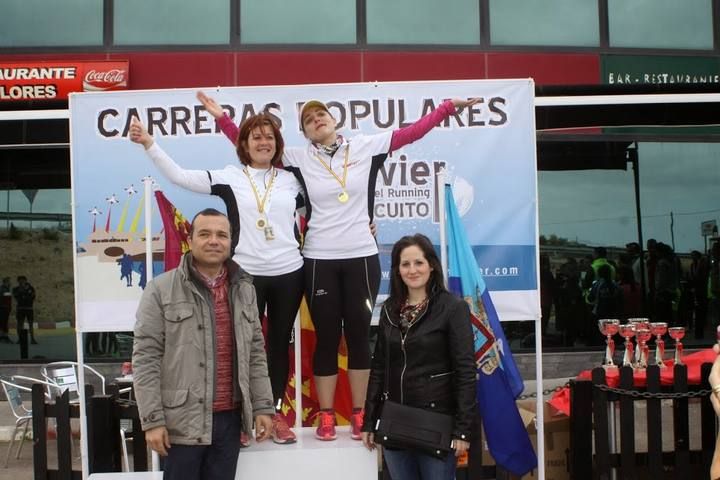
x=432, y=365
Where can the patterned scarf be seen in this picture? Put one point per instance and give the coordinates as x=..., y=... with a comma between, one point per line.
x=332, y=148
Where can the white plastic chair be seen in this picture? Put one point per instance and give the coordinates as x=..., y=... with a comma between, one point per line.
x=23, y=416
x=64, y=376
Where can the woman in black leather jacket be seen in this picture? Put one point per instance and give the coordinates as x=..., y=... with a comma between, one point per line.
x=428, y=335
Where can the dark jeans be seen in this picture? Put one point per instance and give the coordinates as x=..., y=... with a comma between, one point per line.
x=411, y=465
x=217, y=461
x=25, y=314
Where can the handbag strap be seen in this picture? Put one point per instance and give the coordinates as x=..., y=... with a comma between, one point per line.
x=386, y=393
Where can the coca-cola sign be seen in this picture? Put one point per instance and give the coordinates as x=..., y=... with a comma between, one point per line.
x=98, y=80
x=55, y=80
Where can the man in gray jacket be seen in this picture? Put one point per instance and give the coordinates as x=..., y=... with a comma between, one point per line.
x=200, y=370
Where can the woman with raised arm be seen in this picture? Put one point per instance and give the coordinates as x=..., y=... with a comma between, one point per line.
x=261, y=201
x=342, y=267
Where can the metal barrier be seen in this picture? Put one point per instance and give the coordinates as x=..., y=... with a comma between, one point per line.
x=593, y=407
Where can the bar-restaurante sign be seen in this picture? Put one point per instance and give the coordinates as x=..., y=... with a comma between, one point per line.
x=55, y=80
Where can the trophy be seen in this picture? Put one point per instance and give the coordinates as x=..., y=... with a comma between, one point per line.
x=659, y=329
x=609, y=327
x=677, y=334
x=642, y=334
x=639, y=323
x=627, y=331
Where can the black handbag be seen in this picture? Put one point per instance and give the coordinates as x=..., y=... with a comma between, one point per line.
x=402, y=426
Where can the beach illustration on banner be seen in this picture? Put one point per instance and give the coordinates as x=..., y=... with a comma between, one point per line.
x=113, y=251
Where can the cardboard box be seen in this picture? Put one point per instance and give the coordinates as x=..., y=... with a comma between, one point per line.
x=557, y=441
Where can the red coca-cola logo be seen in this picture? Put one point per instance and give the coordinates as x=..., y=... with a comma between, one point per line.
x=105, y=80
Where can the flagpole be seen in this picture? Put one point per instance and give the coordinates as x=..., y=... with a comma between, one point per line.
x=442, y=179
x=148, y=181
x=298, y=371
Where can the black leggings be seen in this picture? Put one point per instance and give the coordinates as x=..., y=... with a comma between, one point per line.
x=341, y=296
x=282, y=295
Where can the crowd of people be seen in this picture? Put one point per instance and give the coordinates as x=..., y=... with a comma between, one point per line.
x=202, y=375
x=654, y=284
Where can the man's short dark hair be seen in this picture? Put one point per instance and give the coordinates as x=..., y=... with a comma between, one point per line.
x=22, y=278
x=208, y=212
x=600, y=252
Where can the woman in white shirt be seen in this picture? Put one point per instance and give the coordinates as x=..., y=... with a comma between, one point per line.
x=342, y=267
x=261, y=202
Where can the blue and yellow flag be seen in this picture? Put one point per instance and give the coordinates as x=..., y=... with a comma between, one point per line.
x=499, y=382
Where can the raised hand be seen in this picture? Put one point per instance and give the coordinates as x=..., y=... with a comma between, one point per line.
x=212, y=107
x=459, y=103
x=139, y=134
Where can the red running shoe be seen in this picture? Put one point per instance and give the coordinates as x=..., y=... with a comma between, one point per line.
x=356, y=423
x=326, y=429
x=281, y=432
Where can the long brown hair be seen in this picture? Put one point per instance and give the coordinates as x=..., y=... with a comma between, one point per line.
x=260, y=120
x=398, y=289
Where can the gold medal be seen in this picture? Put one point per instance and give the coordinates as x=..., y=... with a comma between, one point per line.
x=261, y=223
x=343, y=196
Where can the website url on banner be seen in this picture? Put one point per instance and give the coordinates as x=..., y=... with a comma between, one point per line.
x=500, y=271
x=484, y=271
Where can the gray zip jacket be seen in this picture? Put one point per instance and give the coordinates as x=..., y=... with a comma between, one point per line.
x=174, y=354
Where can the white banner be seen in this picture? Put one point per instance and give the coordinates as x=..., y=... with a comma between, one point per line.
x=488, y=149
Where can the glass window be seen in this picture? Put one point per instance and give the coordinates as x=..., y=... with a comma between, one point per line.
x=42, y=251
x=661, y=24
x=423, y=22
x=309, y=21
x=544, y=22
x=37, y=23
x=172, y=22
x=583, y=209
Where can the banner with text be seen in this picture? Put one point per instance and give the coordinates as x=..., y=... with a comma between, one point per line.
x=488, y=150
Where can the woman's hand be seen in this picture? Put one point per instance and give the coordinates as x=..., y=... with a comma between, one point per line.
x=461, y=446
x=212, y=107
x=459, y=103
x=368, y=439
x=139, y=134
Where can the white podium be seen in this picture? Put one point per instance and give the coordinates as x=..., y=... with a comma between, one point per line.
x=309, y=458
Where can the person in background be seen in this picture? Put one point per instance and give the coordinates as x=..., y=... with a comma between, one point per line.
x=426, y=332
x=5, y=308
x=199, y=366
x=698, y=282
x=24, y=294
x=547, y=292
x=606, y=298
x=631, y=292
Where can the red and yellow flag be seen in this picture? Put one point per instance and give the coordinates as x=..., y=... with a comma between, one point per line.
x=177, y=231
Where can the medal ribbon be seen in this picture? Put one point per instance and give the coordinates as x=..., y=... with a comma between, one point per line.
x=342, y=180
x=266, y=196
